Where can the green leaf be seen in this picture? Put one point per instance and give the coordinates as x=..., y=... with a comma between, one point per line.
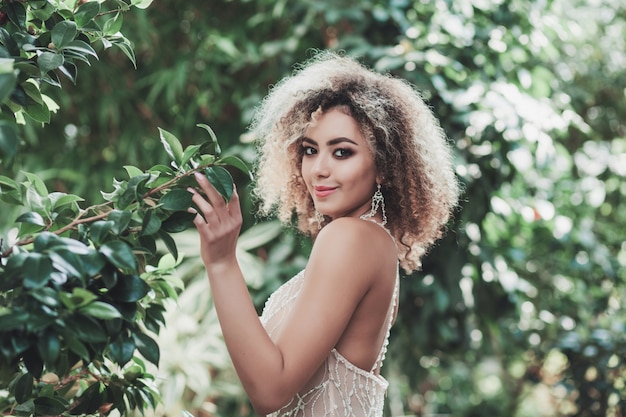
x=210, y=132
x=42, y=11
x=63, y=33
x=46, y=240
x=92, y=263
x=235, y=162
x=172, y=146
x=7, y=82
x=47, y=296
x=99, y=230
x=90, y=400
x=8, y=139
x=126, y=47
x=169, y=243
x=119, y=254
x=37, y=183
x=134, y=190
x=141, y=4
x=13, y=321
x=127, y=198
x=129, y=289
x=79, y=297
x=162, y=169
x=33, y=92
x=178, y=222
x=48, y=406
x=211, y=147
x=37, y=270
x=113, y=25
x=17, y=13
x=86, y=12
x=147, y=244
x=49, y=61
x=31, y=218
x=100, y=310
x=75, y=345
x=70, y=70
x=24, y=388
x=63, y=199
x=222, y=181
x=121, y=220
x=176, y=200
x=39, y=112
x=49, y=347
x=33, y=362
x=258, y=235
x=9, y=43
x=51, y=78
x=122, y=349
x=132, y=171
x=190, y=152
x=67, y=262
x=79, y=48
x=151, y=223
x=51, y=241
x=86, y=328
x=25, y=409
x=147, y=347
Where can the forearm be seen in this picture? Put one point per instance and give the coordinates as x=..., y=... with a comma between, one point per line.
x=257, y=360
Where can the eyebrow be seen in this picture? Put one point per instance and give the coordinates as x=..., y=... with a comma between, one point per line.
x=331, y=142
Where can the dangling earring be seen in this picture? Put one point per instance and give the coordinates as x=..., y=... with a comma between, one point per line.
x=319, y=218
x=377, y=201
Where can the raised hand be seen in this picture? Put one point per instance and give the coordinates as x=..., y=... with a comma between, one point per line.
x=218, y=224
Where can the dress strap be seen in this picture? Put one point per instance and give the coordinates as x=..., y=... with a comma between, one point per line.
x=394, y=301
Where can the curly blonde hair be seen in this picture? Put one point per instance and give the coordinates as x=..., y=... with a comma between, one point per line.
x=410, y=149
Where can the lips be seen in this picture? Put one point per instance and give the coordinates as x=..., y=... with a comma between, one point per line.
x=322, y=191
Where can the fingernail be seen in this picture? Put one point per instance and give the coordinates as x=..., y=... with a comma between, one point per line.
x=191, y=190
x=197, y=175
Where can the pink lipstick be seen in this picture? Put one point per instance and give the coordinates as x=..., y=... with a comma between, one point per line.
x=321, y=191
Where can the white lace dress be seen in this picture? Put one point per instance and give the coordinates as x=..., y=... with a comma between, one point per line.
x=338, y=388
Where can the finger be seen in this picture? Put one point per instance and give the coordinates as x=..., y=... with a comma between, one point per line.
x=214, y=198
x=204, y=209
x=234, y=206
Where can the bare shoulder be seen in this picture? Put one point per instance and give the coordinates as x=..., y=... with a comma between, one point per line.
x=356, y=230
x=352, y=243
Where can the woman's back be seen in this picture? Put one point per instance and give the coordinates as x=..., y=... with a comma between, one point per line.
x=339, y=388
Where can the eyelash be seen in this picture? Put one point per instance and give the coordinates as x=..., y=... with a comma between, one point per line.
x=344, y=152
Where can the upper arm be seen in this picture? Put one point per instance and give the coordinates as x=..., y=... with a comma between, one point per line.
x=342, y=268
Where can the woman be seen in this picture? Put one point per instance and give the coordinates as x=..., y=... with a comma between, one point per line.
x=364, y=166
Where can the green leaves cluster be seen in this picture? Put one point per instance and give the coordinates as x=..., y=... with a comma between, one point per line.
x=42, y=40
x=82, y=291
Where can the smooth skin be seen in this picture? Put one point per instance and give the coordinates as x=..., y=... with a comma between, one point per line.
x=348, y=283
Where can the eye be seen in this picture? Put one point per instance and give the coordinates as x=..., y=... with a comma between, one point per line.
x=308, y=150
x=342, y=153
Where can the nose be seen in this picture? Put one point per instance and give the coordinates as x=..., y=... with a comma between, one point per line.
x=320, y=167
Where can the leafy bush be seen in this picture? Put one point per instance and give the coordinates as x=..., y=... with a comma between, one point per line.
x=41, y=40
x=82, y=291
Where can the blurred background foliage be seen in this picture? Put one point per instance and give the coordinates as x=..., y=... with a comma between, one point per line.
x=518, y=311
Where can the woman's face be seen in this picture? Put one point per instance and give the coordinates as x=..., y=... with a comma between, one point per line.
x=338, y=166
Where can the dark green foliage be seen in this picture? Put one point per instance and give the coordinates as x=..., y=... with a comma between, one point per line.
x=522, y=297
x=82, y=289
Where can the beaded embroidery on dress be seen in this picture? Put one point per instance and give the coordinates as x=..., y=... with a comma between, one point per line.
x=339, y=388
